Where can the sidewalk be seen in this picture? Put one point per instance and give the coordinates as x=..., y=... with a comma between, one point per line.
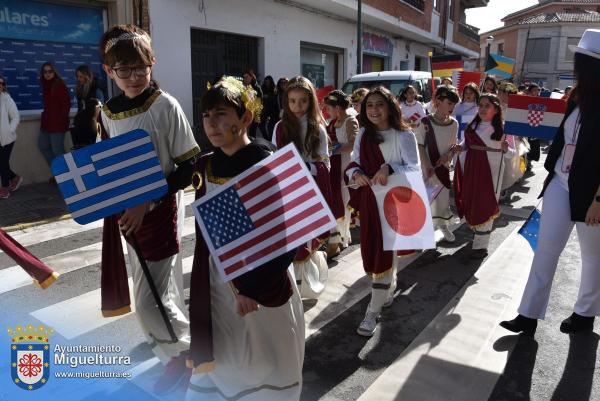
x=30, y=205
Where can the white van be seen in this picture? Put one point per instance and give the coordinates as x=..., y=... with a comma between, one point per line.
x=395, y=81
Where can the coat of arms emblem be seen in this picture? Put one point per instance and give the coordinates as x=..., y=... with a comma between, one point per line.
x=30, y=356
x=535, y=116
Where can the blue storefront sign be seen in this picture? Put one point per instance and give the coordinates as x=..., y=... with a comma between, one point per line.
x=33, y=32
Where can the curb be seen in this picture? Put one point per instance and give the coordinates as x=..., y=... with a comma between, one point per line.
x=25, y=226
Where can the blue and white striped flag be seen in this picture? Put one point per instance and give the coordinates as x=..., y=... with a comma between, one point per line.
x=463, y=121
x=110, y=176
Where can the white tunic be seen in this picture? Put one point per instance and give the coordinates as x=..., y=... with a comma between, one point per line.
x=399, y=150
x=412, y=112
x=495, y=159
x=162, y=117
x=258, y=357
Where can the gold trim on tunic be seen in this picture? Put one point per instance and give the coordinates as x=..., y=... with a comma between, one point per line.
x=46, y=283
x=133, y=112
x=116, y=312
x=187, y=155
x=478, y=226
x=211, y=178
x=202, y=368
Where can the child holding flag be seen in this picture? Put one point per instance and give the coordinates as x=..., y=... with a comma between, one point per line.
x=303, y=125
x=437, y=139
x=152, y=229
x=384, y=145
x=247, y=334
x=412, y=109
x=478, y=172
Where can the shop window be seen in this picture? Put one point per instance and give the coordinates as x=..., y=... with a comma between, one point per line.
x=32, y=33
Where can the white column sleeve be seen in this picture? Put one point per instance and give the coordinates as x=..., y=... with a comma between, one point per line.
x=13, y=114
x=409, y=153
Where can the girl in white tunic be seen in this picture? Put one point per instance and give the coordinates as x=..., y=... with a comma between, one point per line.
x=384, y=145
x=478, y=176
x=437, y=138
x=303, y=125
x=247, y=334
x=412, y=109
x=342, y=131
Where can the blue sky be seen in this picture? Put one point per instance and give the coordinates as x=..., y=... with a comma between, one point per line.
x=488, y=18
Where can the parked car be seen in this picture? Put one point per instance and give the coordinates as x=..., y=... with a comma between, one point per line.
x=395, y=81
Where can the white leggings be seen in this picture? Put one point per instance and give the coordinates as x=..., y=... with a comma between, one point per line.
x=555, y=229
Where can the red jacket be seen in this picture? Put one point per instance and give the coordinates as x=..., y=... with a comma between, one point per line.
x=57, y=104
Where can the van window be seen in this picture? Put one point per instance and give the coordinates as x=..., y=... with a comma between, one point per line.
x=394, y=86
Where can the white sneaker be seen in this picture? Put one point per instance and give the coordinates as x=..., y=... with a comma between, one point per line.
x=448, y=235
x=369, y=324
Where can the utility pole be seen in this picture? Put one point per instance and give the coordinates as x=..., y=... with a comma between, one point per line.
x=359, y=39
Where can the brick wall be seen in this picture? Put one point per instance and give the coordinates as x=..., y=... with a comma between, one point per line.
x=405, y=12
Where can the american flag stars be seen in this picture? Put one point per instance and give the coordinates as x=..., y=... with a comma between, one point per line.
x=226, y=218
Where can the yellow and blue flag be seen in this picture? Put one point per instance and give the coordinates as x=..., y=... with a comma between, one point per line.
x=500, y=65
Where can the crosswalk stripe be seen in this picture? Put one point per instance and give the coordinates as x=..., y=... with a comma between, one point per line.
x=463, y=333
x=81, y=314
x=64, y=228
x=15, y=277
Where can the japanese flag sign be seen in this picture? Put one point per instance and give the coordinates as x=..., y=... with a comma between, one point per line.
x=404, y=211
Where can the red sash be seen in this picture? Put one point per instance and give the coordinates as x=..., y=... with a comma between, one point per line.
x=41, y=274
x=473, y=184
x=441, y=172
x=335, y=177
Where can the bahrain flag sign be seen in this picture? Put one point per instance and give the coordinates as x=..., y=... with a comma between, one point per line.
x=404, y=212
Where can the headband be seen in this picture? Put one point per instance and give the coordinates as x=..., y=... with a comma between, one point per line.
x=126, y=36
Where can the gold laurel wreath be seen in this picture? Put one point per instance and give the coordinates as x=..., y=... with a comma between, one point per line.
x=249, y=96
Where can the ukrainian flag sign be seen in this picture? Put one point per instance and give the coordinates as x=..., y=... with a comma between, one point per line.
x=500, y=66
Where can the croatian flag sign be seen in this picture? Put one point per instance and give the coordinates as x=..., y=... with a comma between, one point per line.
x=404, y=212
x=269, y=209
x=532, y=116
x=110, y=176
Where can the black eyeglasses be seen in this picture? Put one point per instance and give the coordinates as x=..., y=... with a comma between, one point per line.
x=125, y=72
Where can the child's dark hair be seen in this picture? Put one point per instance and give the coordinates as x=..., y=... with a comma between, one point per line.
x=290, y=124
x=402, y=95
x=126, y=44
x=447, y=92
x=496, y=121
x=220, y=94
x=493, y=81
x=358, y=95
x=337, y=98
x=474, y=88
x=394, y=114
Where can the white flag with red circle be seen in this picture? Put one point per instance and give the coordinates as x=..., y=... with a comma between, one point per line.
x=404, y=212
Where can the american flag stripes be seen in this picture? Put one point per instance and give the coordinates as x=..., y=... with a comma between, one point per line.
x=110, y=176
x=271, y=208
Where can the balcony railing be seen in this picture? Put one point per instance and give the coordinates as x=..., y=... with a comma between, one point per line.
x=469, y=31
x=418, y=4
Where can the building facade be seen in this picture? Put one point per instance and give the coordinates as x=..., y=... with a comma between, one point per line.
x=196, y=40
x=538, y=37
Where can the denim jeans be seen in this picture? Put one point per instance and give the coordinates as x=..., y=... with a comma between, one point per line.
x=51, y=144
x=5, y=172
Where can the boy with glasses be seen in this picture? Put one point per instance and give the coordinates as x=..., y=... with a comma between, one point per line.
x=157, y=226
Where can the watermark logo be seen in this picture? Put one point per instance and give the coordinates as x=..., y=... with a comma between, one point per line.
x=30, y=356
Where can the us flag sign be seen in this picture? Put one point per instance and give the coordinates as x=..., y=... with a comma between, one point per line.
x=271, y=208
x=110, y=176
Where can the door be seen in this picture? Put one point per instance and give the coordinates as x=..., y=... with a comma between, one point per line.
x=215, y=54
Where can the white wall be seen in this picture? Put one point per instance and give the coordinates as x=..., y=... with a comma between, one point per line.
x=281, y=27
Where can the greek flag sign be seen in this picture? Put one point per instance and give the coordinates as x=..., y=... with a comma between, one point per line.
x=110, y=176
